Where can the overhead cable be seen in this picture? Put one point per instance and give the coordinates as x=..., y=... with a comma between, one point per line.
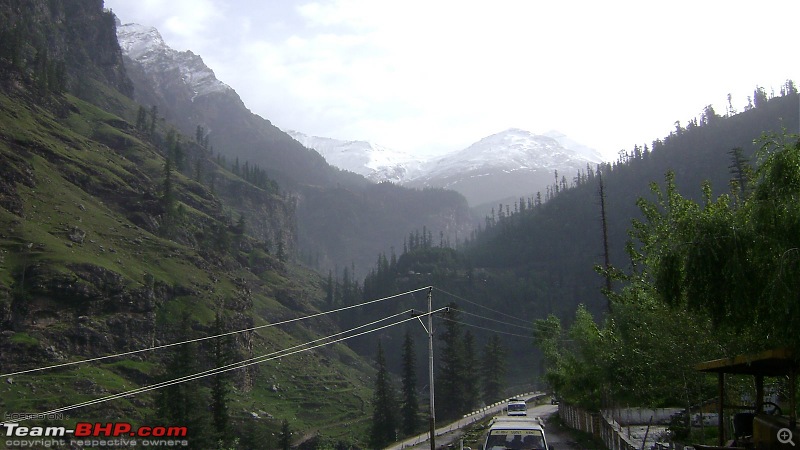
x=189, y=341
x=495, y=320
x=238, y=365
x=479, y=305
x=528, y=336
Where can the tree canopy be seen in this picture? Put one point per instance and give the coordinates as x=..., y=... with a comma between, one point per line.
x=708, y=278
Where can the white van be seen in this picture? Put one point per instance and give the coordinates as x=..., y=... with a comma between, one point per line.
x=518, y=433
x=516, y=408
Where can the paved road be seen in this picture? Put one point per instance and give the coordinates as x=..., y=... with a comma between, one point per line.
x=451, y=433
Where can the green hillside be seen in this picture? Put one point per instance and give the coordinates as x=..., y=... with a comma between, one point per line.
x=120, y=234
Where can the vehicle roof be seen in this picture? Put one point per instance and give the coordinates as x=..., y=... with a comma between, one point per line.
x=516, y=423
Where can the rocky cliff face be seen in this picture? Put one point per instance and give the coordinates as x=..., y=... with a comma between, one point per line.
x=166, y=66
x=78, y=34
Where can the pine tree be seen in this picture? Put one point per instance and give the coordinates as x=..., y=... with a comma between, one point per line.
x=410, y=407
x=221, y=384
x=740, y=170
x=492, y=369
x=141, y=119
x=285, y=436
x=450, y=393
x=153, y=119
x=183, y=403
x=470, y=382
x=384, y=421
x=199, y=136
x=329, y=290
x=281, y=253
x=178, y=155
x=168, y=199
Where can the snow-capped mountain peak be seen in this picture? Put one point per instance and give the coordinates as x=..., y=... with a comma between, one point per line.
x=375, y=162
x=146, y=46
x=510, y=150
x=510, y=163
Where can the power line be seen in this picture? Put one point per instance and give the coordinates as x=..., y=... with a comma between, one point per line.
x=239, y=365
x=487, y=329
x=479, y=305
x=536, y=326
x=159, y=347
x=495, y=320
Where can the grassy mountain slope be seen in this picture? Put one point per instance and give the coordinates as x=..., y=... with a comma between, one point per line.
x=80, y=279
x=95, y=260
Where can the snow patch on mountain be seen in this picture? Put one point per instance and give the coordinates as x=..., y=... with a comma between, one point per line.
x=590, y=154
x=146, y=46
x=508, y=151
x=375, y=162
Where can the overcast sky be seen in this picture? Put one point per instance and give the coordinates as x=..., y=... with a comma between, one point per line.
x=433, y=76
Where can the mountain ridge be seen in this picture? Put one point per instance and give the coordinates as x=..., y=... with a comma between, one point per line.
x=508, y=164
x=514, y=152
x=366, y=221
x=145, y=45
x=375, y=162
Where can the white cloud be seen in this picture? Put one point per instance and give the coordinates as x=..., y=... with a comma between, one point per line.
x=422, y=75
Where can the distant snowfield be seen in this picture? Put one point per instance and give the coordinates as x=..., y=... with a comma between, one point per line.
x=513, y=162
x=507, y=151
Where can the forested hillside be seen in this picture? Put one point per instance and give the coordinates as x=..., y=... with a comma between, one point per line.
x=560, y=241
x=540, y=256
x=120, y=234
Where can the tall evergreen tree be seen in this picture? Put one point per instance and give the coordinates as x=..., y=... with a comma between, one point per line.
x=281, y=253
x=183, y=403
x=153, y=119
x=740, y=170
x=329, y=297
x=384, y=420
x=221, y=384
x=168, y=199
x=285, y=440
x=410, y=407
x=450, y=393
x=492, y=369
x=471, y=386
x=141, y=119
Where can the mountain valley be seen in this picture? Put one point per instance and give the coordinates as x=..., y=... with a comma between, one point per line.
x=154, y=230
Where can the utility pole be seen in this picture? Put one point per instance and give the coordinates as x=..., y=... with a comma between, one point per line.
x=429, y=330
x=432, y=419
